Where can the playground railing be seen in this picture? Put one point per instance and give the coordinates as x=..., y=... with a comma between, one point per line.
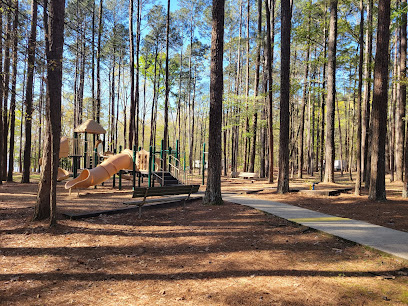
x=173, y=167
x=159, y=168
x=177, y=172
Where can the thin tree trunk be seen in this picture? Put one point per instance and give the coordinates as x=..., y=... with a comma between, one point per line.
x=303, y=110
x=167, y=91
x=136, y=96
x=323, y=98
x=248, y=55
x=393, y=111
x=403, y=95
x=400, y=113
x=340, y=140
x=256, y=87
x=13, y=95
x=331, y=94
x=132, y=77
x=93, y=64
x=98, y=64
x=365, y=131
x=152, y=116
x=6, y=91
x=270, y=41
x=357, y=190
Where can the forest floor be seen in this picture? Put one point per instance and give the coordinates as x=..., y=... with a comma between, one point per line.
x=203, y=255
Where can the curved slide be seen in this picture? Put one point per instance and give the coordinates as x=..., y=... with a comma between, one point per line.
x=95, y=176
x=62, y=174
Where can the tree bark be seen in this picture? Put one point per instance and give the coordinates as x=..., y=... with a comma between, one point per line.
x=2, y=161
x=98, y=64
x=270, y=40
x=256, y=87
x=167, y=91
x=29, y=93
x=6, y=80
x=283, y=179
x=380, y=100
x=365, y=131
x=302, y=112
x=331, y=94
x=213, y=190
x=357, y=189
x=401, y=94
x=132, y=78
x=13, y=95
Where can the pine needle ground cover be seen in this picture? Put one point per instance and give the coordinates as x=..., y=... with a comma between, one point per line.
x=204, y=255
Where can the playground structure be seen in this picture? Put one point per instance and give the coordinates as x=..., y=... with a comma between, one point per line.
x=166, y=167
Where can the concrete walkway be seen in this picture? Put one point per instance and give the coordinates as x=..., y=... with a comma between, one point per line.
x=381, y=238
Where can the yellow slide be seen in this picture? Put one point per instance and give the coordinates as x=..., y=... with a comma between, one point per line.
x=95, y=176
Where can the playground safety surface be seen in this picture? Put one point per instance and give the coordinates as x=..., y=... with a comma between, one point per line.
x=205, y=255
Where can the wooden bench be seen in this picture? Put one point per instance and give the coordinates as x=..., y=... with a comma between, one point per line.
x=145, y=192
x=248, y=175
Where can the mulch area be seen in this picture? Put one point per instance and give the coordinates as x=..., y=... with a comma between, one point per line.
x=203, y=255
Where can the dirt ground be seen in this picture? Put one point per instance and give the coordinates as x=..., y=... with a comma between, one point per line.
x=203, y=255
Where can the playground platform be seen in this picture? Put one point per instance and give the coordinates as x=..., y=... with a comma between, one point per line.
x=380, y=238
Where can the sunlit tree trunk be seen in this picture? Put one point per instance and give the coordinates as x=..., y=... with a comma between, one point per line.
x=213, y=190
x=331, y=94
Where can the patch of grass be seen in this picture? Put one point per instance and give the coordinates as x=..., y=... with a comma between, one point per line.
x=34, y=177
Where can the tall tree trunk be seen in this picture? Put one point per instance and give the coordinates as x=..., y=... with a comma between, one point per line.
x=380, y=99
x=132, y=77
x=13, y=95
x=323, y=98
x=213, y=190
x=248, y=55
x=136, y=95
x=283, y=178
x=340, y=140
x=393, y=111
x=2, y=161
x=270, y=40
x=303, y=110
x=357, y=190
x=401, y=94
x=365, y=131
x=331, y=94
x=256, y=87
x=98, y=64
x=235, y=108
x=144, y=106
x=152, y=117
x=167, y=91
x=82, y=79
x=6, y=91
x=54, y=82
x=93, y=64
x=112, y=115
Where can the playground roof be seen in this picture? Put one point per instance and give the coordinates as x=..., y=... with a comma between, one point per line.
x=90, y=126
